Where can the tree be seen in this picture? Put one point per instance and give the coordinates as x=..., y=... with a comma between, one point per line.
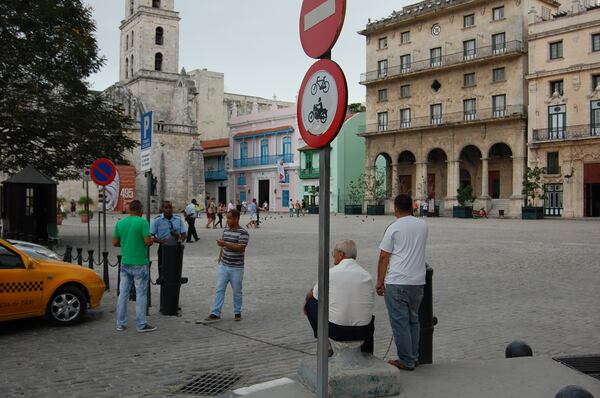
x=356, y=107
x=464, y=195
x=375, y=186
x=48, y=115
x=532, y=188
x=356, y=191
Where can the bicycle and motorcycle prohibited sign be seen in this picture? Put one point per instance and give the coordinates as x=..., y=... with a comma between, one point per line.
x=321, y=22
x=322, y=103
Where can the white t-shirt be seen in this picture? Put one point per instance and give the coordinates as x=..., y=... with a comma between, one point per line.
x=351, y=294
x=405, y=239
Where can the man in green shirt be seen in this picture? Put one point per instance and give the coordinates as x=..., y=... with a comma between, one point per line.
x=132, y=235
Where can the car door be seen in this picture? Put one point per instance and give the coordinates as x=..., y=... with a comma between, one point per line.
x=20, y=286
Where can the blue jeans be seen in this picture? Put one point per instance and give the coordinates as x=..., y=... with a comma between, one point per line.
x=225, y=275
x=402, y=302
x=131, y=274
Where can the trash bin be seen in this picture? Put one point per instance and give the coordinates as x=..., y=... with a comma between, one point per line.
x=427, y=320
x=171, y=281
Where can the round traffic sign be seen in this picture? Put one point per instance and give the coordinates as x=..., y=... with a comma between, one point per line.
x=321, y=22
x=103, y=171
x=322, y=103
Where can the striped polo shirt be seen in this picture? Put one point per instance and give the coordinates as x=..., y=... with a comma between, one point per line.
x=239, y=236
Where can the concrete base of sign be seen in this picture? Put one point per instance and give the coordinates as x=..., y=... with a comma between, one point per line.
x=353, y=373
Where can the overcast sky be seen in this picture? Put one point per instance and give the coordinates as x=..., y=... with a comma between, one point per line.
x=255, y=43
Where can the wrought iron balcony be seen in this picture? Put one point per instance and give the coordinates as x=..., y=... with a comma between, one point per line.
x=263, y=160
x=215, y=175
x=309, y=173
x=426, y=65
x=443, y=120
x=565, y=133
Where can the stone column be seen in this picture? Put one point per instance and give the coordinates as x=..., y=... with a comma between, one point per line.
x=518, y=170
x=394, y=180
x=485, y=199
x=453, y=181
x=423, y=193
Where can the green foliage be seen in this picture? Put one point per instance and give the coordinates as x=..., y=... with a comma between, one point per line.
x=532, y=188
x=355, y=193
x=375, y=186
x=356, y=107
x=48, y=116
x=464, y=195
x=85, y=199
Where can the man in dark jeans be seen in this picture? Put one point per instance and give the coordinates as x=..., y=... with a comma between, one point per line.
x=167, y=229
x=351, y=299
x=190, y=218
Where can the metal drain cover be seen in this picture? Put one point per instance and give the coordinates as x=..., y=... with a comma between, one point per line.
x=210, y=384
x=588, y=364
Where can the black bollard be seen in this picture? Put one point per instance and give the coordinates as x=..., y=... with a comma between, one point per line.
x=573, y=391
x=79, y=256
x=426, y=320
x=90, y=259
x=68, y=257
x=105, y=270
x=170, y=283
x=518, y=348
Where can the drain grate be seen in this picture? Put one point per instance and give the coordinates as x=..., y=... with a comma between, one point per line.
x=210, y=384
x=588, y=364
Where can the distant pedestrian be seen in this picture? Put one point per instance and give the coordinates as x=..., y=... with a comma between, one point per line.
x=400, y=279
x=252, y=210
x=265, y=206
x=231, y=267
x=73, y=207
x=303, y=207
x=257, y=223
x=244, y=206
x=220, y=210
x=424, y=208
x=211, y=211
x=190, y=218
x=198, y=210
x=291, y=207
x=132, y=235
x=167, y=229
x=298, y=206
x=230, y=206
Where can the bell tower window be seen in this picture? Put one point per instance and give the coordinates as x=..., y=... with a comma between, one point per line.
x=126, y=68
x=155, y=3
x=159, y=36
x=131, y=66
x=130, y=7
x=158, y=59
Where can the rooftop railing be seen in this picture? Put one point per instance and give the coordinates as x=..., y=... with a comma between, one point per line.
x=562, y=133
x=472, y=55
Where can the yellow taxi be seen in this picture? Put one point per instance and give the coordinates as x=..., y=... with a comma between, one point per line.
x=38, y=286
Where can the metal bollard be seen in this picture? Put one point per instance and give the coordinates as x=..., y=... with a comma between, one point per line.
x=91, y=259
x=427, y=320
x=105, y=270
x=79, y=256
x=68, y=257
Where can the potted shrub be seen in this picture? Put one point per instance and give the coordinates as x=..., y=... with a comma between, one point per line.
x=465, y=198
x=354, y=196
x=85, y=214
x=376, y=189
x=532, y=189
x=313, y=208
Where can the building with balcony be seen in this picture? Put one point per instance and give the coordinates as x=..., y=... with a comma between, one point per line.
x=564, y=109
x=260, y=143
x=216, y=159
x=446, y=100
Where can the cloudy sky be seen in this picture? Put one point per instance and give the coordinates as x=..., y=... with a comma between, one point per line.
x=255, y=43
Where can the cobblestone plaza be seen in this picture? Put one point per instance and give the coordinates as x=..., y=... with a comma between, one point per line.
x=495, y=280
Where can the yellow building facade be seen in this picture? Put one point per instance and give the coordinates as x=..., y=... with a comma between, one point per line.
x=564, y=109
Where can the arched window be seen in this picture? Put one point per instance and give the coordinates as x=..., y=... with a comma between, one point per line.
x=264, y=151
x=127, y=42
x=131, y=66
x=158, y=37
x=126, y=68
x=287, y=148
x=155, y=3
x=132, y=34
x=158, y=58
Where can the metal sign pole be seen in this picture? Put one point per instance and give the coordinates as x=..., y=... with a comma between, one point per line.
x=148, y=202
x=87, y=207
x=104, y=214
x=99, y=236
x=323, y=309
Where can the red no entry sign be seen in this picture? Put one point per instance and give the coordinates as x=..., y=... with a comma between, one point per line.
x=322, y=103
x=103, y=171
x=321, y=22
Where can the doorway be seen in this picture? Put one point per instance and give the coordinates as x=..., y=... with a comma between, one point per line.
x=553, y=200
x=222, y=195
x=591, y=186
x=494, y=184
x=263, y=192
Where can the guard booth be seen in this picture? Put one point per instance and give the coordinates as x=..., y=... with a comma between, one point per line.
x=28, y=205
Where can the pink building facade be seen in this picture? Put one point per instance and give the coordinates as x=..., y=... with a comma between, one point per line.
x=260, y=142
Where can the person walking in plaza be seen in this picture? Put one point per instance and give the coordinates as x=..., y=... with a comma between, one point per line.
x=73, y=207
x=298, y=206
x=167, y=229
x=401, y=277
x=231, y=267
x=211, y=213
x=132, y=235
x=230, y=206
x=351, y=299
x=220, y=210
x=303, y=207
x=252, y=209
x=190, y=218
x=291, y=207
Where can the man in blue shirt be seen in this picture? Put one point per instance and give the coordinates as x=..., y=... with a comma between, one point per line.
x=190, y=218
x=167, y=229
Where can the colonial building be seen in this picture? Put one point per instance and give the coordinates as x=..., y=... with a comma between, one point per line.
x=446, y=99
x=564, y=109
x=187, y=106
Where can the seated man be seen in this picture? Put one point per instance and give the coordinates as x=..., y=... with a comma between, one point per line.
x=351, y=299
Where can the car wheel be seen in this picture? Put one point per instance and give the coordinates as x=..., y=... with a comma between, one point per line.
x=67, y=306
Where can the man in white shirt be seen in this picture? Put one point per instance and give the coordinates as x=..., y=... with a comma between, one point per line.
x=190, y=218
x=401, y=277
x=351, y=299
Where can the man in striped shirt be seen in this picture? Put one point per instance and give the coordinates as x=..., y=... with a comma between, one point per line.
x=231, y=267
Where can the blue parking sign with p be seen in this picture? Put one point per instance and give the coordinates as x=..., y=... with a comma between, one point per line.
x=146, y=131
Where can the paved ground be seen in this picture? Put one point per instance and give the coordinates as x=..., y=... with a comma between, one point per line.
x=495, y=281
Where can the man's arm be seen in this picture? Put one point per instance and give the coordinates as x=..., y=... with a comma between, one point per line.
x=382, y=266
x=309, y=296
x=148, y=240
x=235, y=247
x=116, y=242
